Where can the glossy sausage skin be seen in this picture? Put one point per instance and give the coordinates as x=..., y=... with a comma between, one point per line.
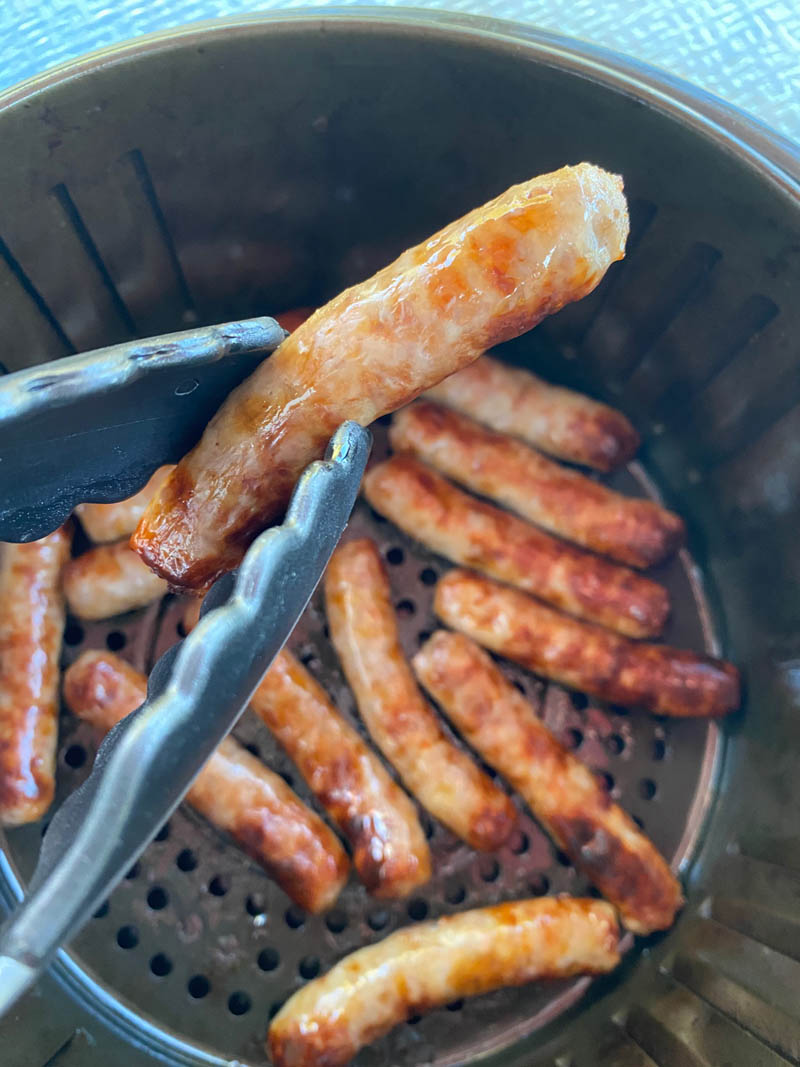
x=559, y=421
x=661, y=679
x=630, y=530
x=109, y=580
x=31, y=626
x=477, y=534
x=270, y=822
x=234, y=790
x=111, y=522
x=390, y=853
x=429, y=964
x=575, y=809
x=483, y=279
x=442, y=777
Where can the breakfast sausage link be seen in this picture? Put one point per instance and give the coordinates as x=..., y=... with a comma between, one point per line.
x=109, y=580
x=561, y=422
x=31, y=628
x=111, y=522
x=390, y=853
x=481, y=280
x=661, y=679
x=563, y=794
x=442, y=777
x=633, y=531
x=237, y=793
x=429, y=964
x=234, y=790
x=477, y=534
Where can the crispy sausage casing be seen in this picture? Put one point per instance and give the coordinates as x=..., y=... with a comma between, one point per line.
x=560, y=422
x=108, y=580
x=111, y=522
x=429, y=964
x=31, y=625
x=483, y=279
x=390, y=853
x=575, y=809
x=270, y=822
x=664, y=680
x=234, y=790
x=477, y=534
x=442, y=777
x=633, y=531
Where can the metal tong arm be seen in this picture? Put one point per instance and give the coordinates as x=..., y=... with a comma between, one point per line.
x=94, y=427
x=195, y=695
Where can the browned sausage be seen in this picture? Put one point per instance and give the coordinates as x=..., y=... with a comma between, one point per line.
x=562, y=500
x=237, y=793
x=442, y=777
x=484, y=279
x=111, y=522
x=560, y=422
x=563, y=794
x=424, y=966
x=234, y=790
x=390, y=853
x=477, y=534
x=664, y=680
x=108, y=580
x=31, y=625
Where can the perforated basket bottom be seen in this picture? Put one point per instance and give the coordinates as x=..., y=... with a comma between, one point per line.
x=199, y=941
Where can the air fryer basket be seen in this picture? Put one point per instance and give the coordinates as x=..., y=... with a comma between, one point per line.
x=256, y=166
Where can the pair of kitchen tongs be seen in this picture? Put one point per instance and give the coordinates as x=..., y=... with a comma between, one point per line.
x=94, y=428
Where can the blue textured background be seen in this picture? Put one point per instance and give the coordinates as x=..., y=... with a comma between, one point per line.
x=747, y=51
